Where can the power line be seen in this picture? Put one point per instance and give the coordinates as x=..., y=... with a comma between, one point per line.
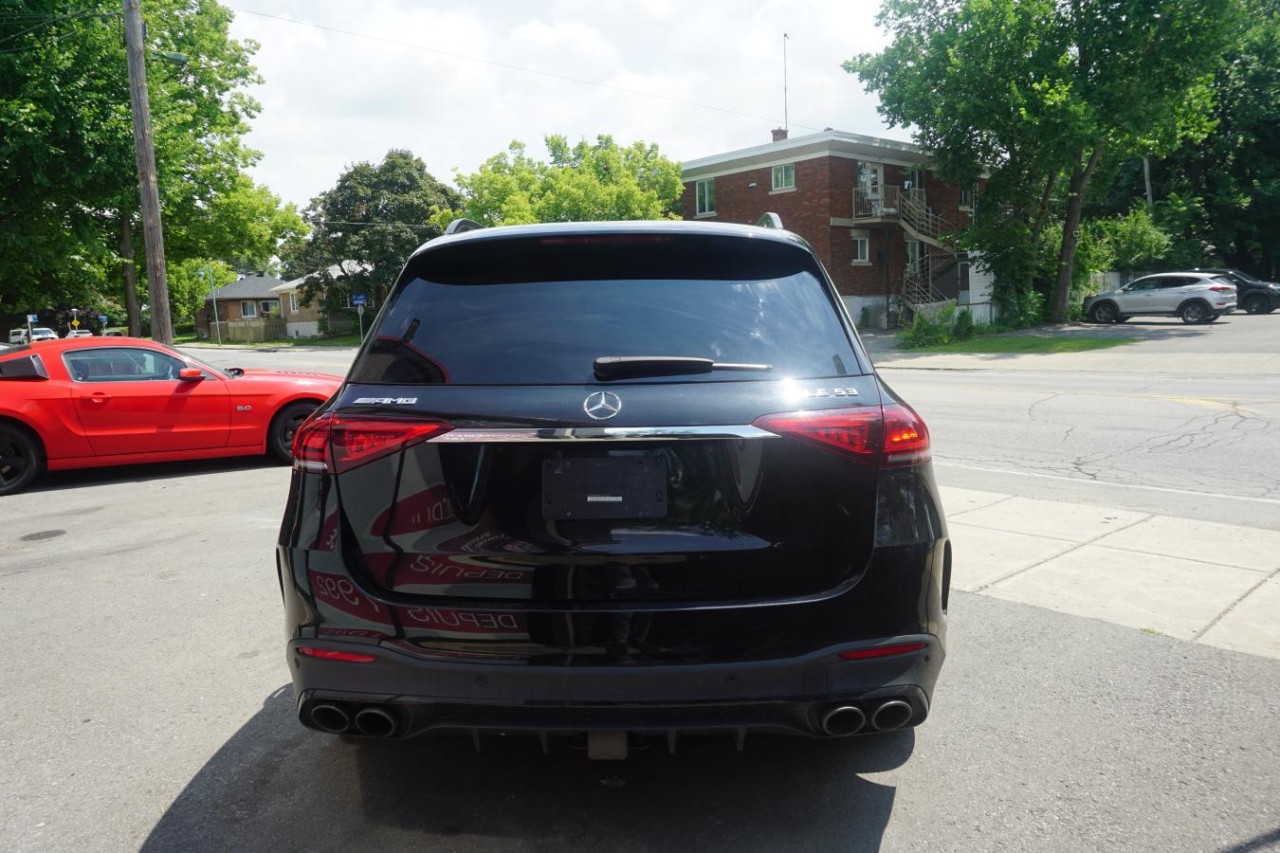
x=511, y=67
x=48, y=22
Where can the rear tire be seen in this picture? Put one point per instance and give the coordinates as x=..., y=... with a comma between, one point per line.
x=284, y=425
x=1194, y=312
x=21, y=459
x=1257, y=305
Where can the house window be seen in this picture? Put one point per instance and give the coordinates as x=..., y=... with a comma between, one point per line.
x=249, y=310
x=913, y=178
x=706, y=197
x=915, y=258
x=293, y=302
x=967, y=198
x=870, y=177
x=270, y=307
x=861, y=248
x=784, y=177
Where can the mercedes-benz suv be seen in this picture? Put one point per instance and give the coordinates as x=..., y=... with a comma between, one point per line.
x=614, y=480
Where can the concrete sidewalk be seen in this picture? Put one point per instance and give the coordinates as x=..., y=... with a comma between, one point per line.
x=1214, y=584
x=1128, y=360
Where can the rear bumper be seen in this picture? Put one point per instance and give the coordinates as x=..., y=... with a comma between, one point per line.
x=779, y=696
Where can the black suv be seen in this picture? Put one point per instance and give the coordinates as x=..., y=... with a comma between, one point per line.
x=612, y=480
x=1253, y=295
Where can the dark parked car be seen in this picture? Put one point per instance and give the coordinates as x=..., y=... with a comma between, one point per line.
x=614, y=480
x=1254, y=295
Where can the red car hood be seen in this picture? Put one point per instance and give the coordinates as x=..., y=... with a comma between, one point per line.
x=327, y=380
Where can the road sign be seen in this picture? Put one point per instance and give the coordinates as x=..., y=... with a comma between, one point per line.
x=75, y=324
x=358, y=300
x=33, y=318
x=102, y=318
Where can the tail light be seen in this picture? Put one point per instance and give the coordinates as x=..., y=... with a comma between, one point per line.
x=332, y=444
x=1223, y=288
x=883, y=435
x=330, y=654
x=881, y=651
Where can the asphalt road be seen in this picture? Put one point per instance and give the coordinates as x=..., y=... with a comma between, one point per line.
x=146, y=702
x=1199, y=447
x=146, y=706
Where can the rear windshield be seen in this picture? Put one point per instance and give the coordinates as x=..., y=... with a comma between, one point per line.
x=541, y=312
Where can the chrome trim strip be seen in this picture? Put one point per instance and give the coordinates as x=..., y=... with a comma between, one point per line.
x=654, y=433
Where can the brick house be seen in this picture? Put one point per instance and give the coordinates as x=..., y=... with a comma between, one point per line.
x=248, y=310
x=303, y=321
x=876, y=217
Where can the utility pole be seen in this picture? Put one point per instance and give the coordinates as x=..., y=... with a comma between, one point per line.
x=144, y=146
x=786, y=117
x=213, y=293
x=1146, y=175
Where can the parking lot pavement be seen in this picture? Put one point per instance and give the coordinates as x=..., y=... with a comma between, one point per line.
x=1213, y=584
x=146, y=704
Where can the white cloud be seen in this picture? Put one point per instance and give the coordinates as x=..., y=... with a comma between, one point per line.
x=332, y=98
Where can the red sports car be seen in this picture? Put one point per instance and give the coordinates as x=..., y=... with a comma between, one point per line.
x=91, y=402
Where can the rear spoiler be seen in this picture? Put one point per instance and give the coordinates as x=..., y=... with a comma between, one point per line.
x=27, y=367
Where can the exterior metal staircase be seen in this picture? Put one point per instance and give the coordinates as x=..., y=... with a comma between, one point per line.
x=909, y=207
x=925, y=225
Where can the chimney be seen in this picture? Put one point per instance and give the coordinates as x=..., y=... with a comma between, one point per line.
x=779, y=134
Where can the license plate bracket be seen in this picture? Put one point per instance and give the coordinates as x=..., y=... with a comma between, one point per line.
x=604, y=487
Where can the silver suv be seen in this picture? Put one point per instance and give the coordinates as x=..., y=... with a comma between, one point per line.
x=1195, y=297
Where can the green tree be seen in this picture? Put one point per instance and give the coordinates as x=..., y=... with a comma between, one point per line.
x=1134, y=242
x=375, y=216
x=1221, y=197
x=68, y=178
x=190, y=286
x=579, y=183
x=1035, y=91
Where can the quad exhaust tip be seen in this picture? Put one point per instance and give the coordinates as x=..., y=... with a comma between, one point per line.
x=375, y=722
x=330, y=718
x=891, y=716
x=842, y=720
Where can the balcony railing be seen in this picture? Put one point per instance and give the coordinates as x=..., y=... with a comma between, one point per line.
x=877, y=204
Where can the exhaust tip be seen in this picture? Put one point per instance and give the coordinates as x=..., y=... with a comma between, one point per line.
x=375, y=722
x=842, y=720
x=892, y=715
x=330, y=718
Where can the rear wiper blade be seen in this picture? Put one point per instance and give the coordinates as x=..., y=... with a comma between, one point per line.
x=617, y=366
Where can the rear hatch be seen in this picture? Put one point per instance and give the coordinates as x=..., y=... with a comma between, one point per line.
x=494, y=441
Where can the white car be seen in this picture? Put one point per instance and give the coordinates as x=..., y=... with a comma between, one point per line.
x=38, y=333
x=79, y=333
x=1196, y=297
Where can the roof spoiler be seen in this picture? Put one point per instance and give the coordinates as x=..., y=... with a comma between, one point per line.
x=770, y=220
x=458, y=226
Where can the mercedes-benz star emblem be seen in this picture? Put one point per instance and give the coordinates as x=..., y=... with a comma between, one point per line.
x=602, y=405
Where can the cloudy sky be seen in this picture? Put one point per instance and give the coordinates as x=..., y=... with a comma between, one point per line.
x=455, y=82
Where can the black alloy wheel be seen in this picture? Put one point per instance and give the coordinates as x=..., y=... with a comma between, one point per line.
x=284, y=425
x=1256, y=304
x=1103, y=312
x=20, y=459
